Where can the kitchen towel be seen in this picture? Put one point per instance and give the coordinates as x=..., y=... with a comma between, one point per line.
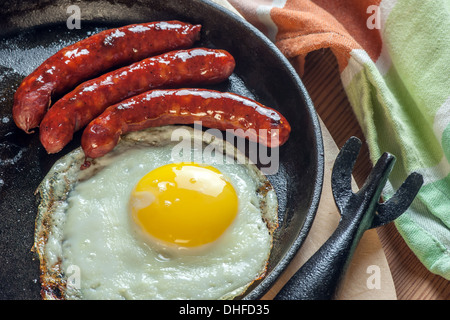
x=394, y=62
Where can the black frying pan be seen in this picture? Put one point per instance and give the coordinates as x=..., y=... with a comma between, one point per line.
x=30, y=32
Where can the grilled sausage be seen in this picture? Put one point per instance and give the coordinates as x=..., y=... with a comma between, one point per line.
x=176, y=68
x=184, y=106
x=89, y=57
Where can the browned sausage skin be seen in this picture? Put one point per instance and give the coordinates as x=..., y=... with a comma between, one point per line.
x=176, y=68
x=89, y=57
x=184, y=106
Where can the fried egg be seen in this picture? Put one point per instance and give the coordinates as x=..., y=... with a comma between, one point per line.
x=141, y=224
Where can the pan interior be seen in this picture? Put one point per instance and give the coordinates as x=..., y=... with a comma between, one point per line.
x=32, y=32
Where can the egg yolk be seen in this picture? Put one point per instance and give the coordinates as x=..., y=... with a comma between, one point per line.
x=185, y=204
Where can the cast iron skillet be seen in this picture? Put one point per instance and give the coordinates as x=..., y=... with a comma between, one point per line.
x=30, y=32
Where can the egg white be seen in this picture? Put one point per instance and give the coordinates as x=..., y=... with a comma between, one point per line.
x=83, y=221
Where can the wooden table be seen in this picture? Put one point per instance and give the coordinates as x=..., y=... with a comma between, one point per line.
x=411, y=279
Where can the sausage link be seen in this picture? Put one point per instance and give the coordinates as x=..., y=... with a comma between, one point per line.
x=185, y=106
x=89, y=57
x=176, y=68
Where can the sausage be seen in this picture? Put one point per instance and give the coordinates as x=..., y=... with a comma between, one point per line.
x=184, y=106
x=89, y=57
x=176, y=68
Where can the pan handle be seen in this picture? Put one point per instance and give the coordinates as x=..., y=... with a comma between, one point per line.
x=319, y=277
